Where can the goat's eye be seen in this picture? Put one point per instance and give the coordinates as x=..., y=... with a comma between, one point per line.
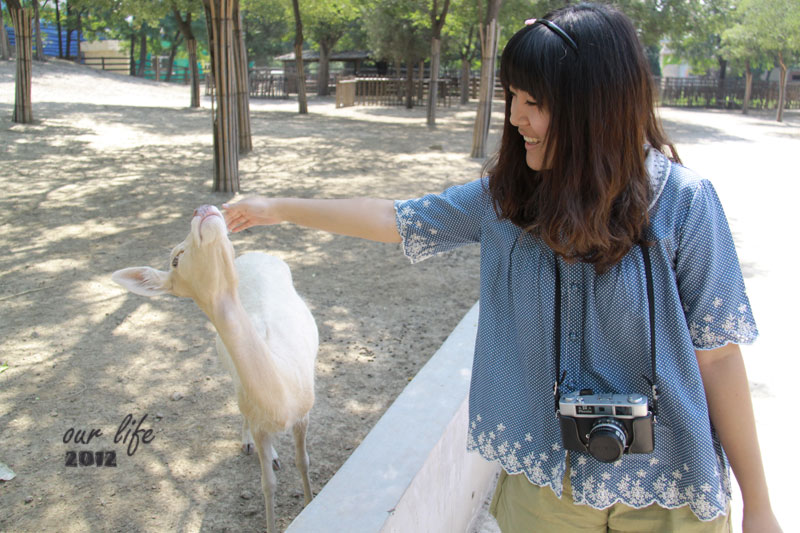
x=175, y=261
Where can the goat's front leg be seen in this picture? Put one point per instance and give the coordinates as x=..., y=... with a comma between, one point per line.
x=248, y=445
x=268, y=479
x=301, y=456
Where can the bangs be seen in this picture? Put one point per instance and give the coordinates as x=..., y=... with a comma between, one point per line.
x=530, y=63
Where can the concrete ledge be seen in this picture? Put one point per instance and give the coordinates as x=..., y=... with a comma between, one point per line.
x=412, y=471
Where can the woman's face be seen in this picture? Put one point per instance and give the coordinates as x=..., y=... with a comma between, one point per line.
x=532, y=121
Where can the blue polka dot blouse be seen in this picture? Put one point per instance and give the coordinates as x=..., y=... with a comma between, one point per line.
x=700, y=304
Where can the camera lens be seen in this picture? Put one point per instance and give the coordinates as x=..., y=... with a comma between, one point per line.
x=607, y=440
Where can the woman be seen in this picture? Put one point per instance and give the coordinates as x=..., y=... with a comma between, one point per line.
x=580, y=214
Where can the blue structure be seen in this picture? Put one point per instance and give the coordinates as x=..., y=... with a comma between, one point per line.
x=50, y=40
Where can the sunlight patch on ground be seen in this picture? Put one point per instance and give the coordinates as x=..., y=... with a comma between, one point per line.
x=122, y=136
x=363, y=408
x=435, y=155
x=55, y=266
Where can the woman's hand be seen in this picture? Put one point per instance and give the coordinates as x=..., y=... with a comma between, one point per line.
x=249, y=212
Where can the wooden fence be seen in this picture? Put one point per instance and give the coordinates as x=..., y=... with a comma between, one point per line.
x=120, y=65
x=384, y=91
x=262, y=84
x=726, y=94
x=153, y=68
x=267, y=83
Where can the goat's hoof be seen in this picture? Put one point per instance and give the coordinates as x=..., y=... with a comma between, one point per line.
x=276, y=465
x=247, y=448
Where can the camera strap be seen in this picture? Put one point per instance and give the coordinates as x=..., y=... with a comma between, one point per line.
x=651, y=308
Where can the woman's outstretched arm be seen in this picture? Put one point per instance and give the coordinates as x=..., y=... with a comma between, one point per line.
x=367, y=218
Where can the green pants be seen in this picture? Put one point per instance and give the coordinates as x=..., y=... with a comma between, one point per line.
x=522, y=507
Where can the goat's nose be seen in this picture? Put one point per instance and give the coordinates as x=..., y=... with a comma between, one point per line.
x=202, y=210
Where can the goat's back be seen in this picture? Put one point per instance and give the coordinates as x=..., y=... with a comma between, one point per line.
x=268, y=295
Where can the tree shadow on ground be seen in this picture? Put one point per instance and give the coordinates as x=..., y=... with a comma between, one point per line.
x=94, y=188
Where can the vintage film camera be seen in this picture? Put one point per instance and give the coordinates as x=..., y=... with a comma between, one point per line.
x=605, y=425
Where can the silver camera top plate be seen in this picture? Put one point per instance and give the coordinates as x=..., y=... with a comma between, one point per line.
x=580, y=405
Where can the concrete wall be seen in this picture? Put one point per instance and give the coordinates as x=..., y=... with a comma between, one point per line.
x=412, y=472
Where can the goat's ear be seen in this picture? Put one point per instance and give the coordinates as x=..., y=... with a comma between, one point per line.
x=144, y=281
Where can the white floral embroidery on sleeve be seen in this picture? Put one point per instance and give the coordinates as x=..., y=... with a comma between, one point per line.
x=736, y=329
x=415, y=246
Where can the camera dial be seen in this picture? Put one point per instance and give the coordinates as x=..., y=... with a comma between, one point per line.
x=607, y=440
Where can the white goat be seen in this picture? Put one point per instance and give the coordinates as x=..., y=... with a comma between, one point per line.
x=267, y=337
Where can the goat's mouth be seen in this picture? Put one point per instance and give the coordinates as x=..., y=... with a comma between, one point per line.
x=208, y=232
x=207, y=212
x=208, y=215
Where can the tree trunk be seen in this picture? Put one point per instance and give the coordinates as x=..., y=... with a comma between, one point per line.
x=78, y=38
x=480, y=132
x=191, y=49
x=219, y=18
x=466, y=54
x=132, y=56
x=324, y=70
x=433, y=90
x=242, y=84
x=173, y=49
x=142, y=51
x=781, y=88
x=437, y=23
x=464, y=86
x=410, y=84
x=723, y=65
x=748, y=87
x=421, y=81
x=302, y=100
x=21, y=18
x=5, y=45
x=38, y=25
x=58, y=27
x=69, y=31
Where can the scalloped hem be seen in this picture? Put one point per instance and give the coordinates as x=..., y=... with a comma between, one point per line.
x=559, y=493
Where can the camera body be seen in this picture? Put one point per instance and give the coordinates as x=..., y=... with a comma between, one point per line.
x=605, y=425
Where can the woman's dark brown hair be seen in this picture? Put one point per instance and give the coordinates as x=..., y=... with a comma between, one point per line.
x=591, y=203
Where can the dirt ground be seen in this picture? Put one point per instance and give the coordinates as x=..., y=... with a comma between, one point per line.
x=107, y=177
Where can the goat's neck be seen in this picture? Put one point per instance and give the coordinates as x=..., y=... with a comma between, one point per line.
x=262, y=385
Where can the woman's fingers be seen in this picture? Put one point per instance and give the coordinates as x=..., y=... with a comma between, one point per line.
x=234, y=221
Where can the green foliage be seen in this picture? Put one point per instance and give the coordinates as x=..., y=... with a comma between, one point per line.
x=398, y=30
x=460, y=33
x=329, y=20
x=698, y=39
x=268, y=27
x=774, y=24
x=740, y=45
x=763, y=31
x=701, y=32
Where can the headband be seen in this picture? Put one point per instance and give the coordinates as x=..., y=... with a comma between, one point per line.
x=555, y=28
